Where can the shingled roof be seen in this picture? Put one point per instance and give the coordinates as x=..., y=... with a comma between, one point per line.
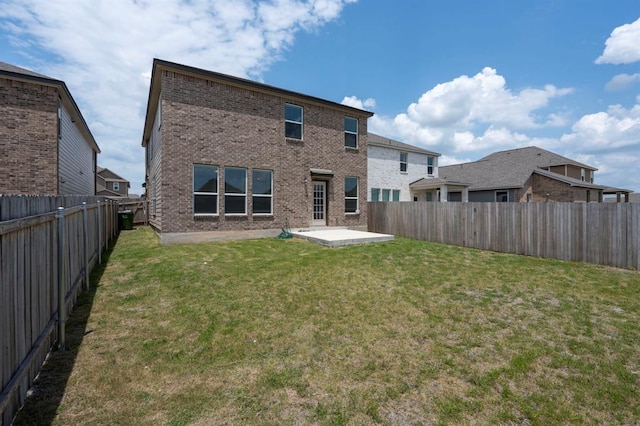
x=512, y=169
x=14, y=69
x=534, y=156
x=381, y=141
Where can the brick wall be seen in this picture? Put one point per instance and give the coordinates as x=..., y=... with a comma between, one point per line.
x=539, y=186
x=28, y=138
x=206, y=122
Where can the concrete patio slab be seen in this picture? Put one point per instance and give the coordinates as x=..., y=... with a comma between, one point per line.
x=338, y=237
x=331, y=237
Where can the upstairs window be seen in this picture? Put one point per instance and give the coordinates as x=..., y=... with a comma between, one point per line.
x=293, y=121
x=116, y=186
x=350, y=194
x=235, y=190
x=430, y=166
x=205, y=190
x=350, y=132
x=403, y=161
x=582, y=174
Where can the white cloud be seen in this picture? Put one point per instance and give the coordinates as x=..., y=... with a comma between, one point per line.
x=447, y=160
x=484, y=98
x=622, y=46
x=616, y=128
x=622, y=81
x=492, y=139
x=104, y=52
x=355, y=102
x=474, y=113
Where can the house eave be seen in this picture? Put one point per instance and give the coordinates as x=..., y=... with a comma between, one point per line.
x=160, y=65
x=65, y=96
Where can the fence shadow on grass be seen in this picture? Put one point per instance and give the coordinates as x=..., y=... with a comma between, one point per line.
x=45, y=396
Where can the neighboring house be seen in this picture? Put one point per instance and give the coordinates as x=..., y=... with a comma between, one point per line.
x=226, y=153
x=529, y=174
x=109, y=184
x=46, y=146
x=401, y=172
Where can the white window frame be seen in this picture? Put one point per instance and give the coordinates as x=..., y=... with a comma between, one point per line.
x=254, y=195
x=351, y=197
x=116, y=186
x=350, y=132
x=404, y=162
x=235, y=194
x=196, y=193
x=430, y=165
x=301, y=122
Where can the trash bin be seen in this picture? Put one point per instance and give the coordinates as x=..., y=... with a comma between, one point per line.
x=125, y=220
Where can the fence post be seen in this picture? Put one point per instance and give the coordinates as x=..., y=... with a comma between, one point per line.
x=85, y=243
x=114, y=220
x=109, y=212
x=584, y=232
x=62, y=291
x=99, y=235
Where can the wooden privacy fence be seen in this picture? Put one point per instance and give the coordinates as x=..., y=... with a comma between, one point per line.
x=48, y=246
x=602, y=233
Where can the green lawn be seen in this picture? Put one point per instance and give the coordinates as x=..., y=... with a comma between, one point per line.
x=287, y=332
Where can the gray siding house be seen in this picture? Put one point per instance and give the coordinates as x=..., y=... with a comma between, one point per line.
x=110, y=184
x=46, y=146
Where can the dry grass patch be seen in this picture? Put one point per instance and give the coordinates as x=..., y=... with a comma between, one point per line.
x=404, y=332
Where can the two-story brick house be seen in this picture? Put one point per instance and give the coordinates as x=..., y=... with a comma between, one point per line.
x=46, y=146
x=226, y=153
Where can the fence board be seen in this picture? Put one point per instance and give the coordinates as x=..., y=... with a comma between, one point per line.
x=28, y=281
x=602, y=233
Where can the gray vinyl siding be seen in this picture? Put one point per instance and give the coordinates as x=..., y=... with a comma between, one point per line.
x=489, y=196
x=154, y=192
x=75, y=158
x=122, y=187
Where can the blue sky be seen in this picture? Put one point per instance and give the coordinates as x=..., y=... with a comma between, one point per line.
x=462, y=78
